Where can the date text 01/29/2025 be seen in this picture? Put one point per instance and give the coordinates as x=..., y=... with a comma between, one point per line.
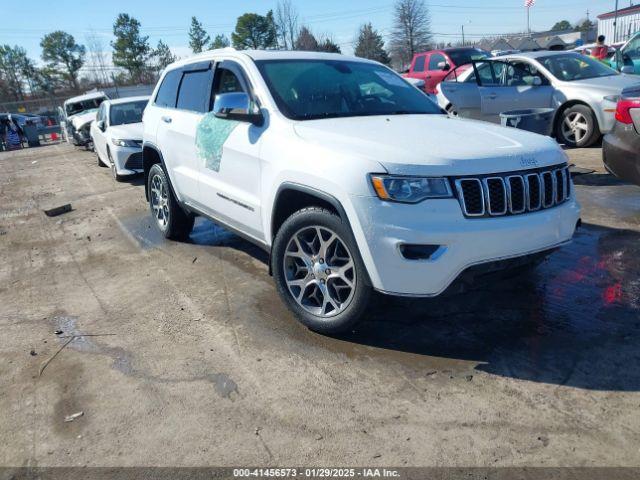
x=315, y=473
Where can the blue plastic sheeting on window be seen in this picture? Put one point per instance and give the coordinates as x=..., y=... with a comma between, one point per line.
x=211, y=134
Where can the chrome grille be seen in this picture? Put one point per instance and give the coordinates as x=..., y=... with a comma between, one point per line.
x=513, y=193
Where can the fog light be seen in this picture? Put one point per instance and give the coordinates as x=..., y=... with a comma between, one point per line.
x=418, y=252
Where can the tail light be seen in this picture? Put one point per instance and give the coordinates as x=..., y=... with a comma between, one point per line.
x=623, y=110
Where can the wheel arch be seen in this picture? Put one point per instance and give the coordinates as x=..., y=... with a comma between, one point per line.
x=568, y=104
x=292, y=197
x=150, y=156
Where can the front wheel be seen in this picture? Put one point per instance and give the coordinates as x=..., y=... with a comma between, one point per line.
x=577, y=127
x=172, y=221
x=319, y=272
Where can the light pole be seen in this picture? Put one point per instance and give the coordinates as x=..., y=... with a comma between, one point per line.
x=615, y=24
x=463, y=42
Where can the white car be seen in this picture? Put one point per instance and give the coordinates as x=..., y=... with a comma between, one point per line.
x=76, y=116
x=582, y=91
x=349, y=177
x=117, y=135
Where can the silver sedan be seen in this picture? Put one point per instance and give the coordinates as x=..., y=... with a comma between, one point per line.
x=583, y=91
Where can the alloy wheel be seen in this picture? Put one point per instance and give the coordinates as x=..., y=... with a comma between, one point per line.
x=160, y=201
x=319, y=271
x=575, y=127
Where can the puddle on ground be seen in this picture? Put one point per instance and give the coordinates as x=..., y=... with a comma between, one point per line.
x=123, y=361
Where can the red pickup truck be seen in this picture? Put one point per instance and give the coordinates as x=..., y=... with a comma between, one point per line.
x=434, y=65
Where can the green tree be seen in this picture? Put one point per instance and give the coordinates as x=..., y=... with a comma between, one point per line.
x=163, y=56
x=255, y=31
x=220, y=41
x=63, y=55
x=13, y=62
x=131, y=50
x=585, y=25
x=306, y=41
x=198, y=37
x=562, y=25
x=371, y=45
x=329, y=46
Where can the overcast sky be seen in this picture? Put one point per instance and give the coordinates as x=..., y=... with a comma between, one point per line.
x=169, y=20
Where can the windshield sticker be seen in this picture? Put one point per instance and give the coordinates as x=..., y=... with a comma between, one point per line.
x=392, y=79
x=211, y=134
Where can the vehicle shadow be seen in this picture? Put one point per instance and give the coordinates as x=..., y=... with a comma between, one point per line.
x=574, y=321
x=597, y=180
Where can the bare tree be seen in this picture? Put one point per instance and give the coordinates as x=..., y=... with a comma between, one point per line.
x=286, y=24
x=97, y=58
x=411, y=30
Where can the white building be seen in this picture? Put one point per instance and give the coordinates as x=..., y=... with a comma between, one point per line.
x=628, y=23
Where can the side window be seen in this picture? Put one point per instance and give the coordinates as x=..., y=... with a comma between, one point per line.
x=100, y=114
x=632, y=50
x=419, y=65
x=168, y=91
x=227, y=82
x=194, y=91
x=519, y=74
x=435, y=59
x=485, y=74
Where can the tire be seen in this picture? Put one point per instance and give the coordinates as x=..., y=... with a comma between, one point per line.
x=302, y=276
x=170, y=219
x=577, y=116
x=451, y=111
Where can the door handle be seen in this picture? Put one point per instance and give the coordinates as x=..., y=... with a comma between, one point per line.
x=493, y=96
x=166, y=119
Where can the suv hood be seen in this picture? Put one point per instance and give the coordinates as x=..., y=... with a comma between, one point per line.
x=433, y=144
x=130, y=131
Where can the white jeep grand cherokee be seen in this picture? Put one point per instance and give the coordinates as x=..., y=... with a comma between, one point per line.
x=351, y=178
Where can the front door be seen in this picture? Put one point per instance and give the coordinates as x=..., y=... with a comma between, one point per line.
x=177, y=128
x=229, y=160
x=515, y=85
x=436, y=71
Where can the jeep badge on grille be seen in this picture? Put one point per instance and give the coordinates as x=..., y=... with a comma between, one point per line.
x=528, y=162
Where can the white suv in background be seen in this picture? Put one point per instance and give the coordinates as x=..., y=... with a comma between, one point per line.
x=351, y=178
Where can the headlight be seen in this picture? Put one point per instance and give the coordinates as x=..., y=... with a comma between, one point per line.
x=124, y=143
x=612, y=98
x=410, y=189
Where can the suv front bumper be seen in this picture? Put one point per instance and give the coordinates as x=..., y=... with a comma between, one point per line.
x=463, y=242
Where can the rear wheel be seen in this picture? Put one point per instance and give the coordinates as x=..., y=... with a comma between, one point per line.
x=172, y=221
x=577, y=127
x=318, y=271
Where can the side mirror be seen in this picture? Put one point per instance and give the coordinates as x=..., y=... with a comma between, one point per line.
x=537, y=81
x=628, y=69
x=444, y=66
x=236, y=106
x=101, y=126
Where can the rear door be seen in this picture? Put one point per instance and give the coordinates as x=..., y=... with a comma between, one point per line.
x=419, y=67
x=229, y=159
x=177, y=128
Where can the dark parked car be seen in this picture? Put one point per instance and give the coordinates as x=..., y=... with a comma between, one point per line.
x=621, y=147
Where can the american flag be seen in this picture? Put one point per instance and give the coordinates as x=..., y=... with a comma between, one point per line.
x=529, y=3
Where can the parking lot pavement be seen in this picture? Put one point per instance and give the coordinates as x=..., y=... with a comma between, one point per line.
x=196, y=362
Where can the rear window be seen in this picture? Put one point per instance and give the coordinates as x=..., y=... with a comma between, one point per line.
x=168, y=90
x=195, y=90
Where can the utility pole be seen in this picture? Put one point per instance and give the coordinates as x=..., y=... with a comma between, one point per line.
x=463, y=35
x=615, y=24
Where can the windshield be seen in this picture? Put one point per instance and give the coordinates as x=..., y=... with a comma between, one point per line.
x=77, y=107
x=460, y=57
x=311, y=89
x=574, y=66
x=123, y=113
